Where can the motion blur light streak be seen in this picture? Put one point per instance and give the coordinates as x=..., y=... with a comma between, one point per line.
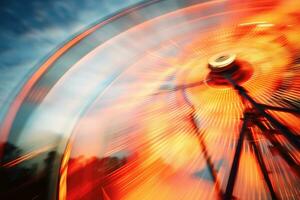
x=27, y=156
x=43, y=68
x=166, y=100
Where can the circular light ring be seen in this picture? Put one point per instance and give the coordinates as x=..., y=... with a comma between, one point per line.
x=157, y=120
x=156, y=117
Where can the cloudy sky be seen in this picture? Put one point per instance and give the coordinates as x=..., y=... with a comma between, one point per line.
x=30, y=30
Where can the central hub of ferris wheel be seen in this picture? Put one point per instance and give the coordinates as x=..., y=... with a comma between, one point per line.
x=222, y=62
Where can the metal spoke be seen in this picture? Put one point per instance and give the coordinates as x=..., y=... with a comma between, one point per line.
x=283, y=152
x=236, y=161
x=289, y=135
x=275, y=108
x=181, y=87
x=207, y=158
x=262, y=164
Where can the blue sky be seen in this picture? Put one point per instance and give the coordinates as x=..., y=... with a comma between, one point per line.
x=30, y=30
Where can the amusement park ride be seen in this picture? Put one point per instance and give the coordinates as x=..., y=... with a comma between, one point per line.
x=163, y=100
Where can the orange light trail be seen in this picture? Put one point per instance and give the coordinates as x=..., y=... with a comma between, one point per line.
x=27, y=156
x=182, y=142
